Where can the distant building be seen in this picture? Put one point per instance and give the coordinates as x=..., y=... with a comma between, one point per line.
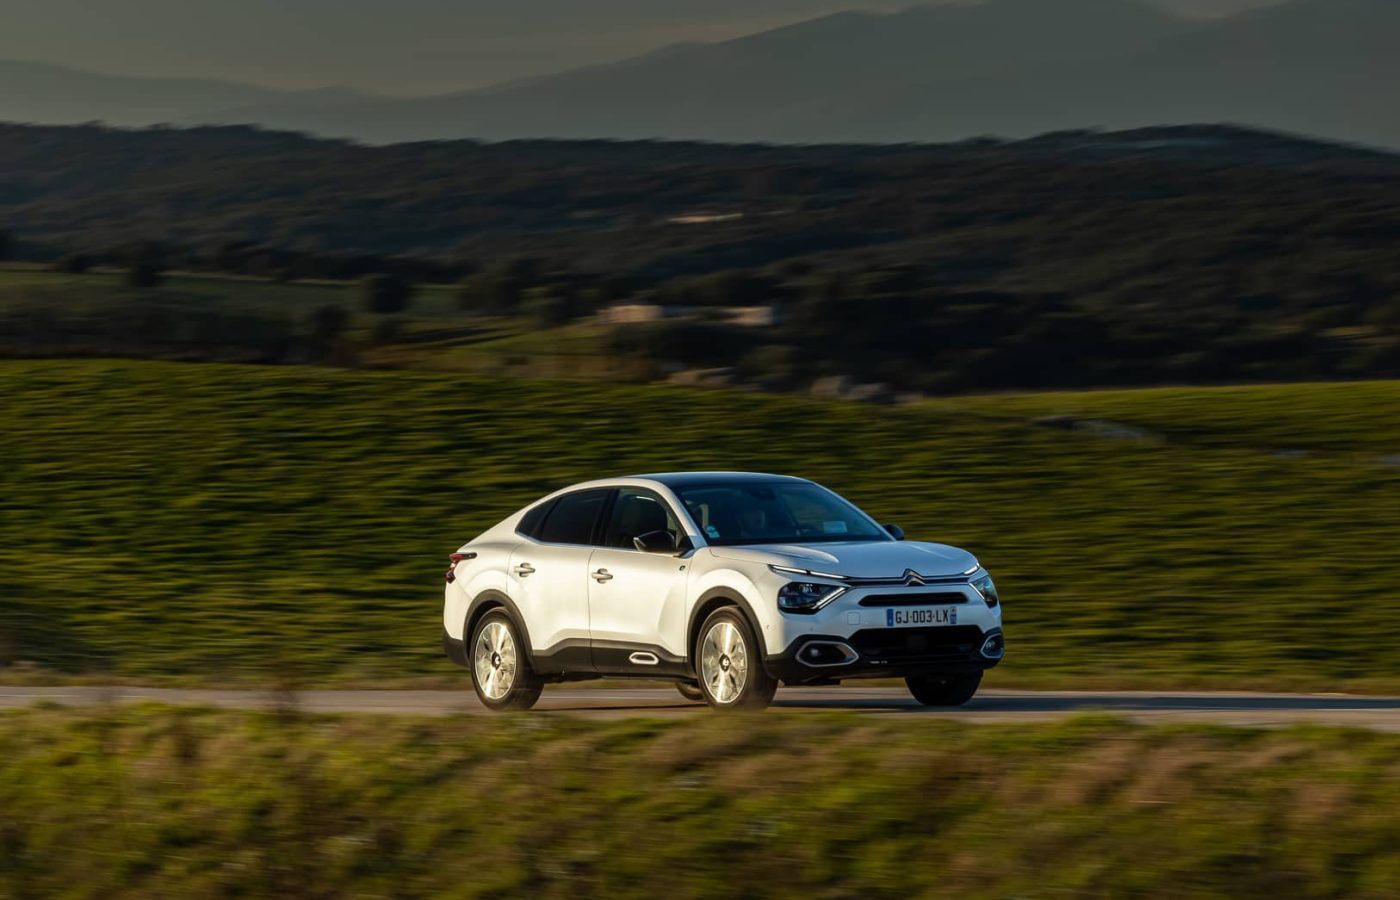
x=761, y=316
x=704, y=218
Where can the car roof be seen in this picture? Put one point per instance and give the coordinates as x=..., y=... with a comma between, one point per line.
x=682, y=480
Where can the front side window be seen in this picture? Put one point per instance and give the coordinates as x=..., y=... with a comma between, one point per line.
x=775, y=513
x=572, y=518
x=637, y=512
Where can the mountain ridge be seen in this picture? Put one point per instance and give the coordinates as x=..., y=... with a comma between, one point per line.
x=934, y=73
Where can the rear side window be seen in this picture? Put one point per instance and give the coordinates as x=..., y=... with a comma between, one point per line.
x=530, y=522
x=572, y=518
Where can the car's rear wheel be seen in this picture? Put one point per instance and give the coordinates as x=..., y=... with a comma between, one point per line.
x=501, y=671
x=730, y=664
x=690, y=691
x=933, y=690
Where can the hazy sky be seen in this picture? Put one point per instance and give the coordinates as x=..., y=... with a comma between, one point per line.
x=396, y=46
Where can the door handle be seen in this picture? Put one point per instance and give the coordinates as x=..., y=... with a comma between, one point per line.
x=524, y=570
x=602, y=575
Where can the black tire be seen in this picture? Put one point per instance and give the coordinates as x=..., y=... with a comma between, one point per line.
x=739, y=680
x=690, y=690
x=950, y=690
x=496, y=635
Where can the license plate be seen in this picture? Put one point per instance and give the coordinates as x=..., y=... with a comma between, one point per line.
x=918, y=617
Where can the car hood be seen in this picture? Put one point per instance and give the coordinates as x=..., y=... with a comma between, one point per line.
x=858, y=559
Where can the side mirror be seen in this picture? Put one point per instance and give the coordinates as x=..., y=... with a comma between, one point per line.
x=655, y=542
x=895, y=531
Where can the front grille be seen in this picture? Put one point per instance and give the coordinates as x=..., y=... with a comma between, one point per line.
x=922, y=598
x=917, y=645
x=903, y=580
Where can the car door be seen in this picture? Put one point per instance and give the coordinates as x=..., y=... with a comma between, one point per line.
x=549, y=576
x=636, y=600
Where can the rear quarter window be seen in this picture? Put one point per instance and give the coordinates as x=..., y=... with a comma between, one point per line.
x=532, y=520
x=572, y=518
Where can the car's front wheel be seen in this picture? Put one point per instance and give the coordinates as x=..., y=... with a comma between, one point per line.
x=933, y=690
x=501, y=671
x=730, y=664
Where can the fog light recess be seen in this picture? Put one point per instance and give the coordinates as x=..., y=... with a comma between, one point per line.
x=821, y=654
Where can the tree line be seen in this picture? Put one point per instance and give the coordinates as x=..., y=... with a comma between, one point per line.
x=1168, y=255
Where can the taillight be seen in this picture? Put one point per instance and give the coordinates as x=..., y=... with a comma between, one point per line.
x=455, y=558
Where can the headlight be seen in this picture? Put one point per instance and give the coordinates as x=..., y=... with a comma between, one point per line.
x=806, y=597
x=983, y=585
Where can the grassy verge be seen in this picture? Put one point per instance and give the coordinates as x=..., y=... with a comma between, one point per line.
x=218, y=523
x=189, y=803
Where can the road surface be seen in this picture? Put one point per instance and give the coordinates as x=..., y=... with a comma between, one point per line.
x=1244, y=709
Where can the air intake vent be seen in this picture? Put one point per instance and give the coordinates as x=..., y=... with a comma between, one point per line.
x=922, y=598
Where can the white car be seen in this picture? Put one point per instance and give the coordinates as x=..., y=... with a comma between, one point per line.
x=726, y=583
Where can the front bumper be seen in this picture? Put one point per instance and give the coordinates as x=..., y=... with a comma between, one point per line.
x=889, y=653
x=860, y=635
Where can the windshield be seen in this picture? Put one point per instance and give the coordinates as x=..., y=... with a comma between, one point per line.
x=730, y=513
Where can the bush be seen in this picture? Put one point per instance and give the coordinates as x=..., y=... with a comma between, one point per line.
x=328, y=322
x=772, y=365
x=546, y=308
x=145, y=274
x=385, y=295
x=74, y=264
x=387, y=331
x=494, y=293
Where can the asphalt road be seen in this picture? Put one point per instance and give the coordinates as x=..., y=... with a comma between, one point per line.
x=1243, y=709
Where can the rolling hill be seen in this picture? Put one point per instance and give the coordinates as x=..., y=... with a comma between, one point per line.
x=1008, y=67
x=930, y=73
x=760, y=87
x=43, y=93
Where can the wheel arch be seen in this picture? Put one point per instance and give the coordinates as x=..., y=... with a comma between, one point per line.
x=484, y=603
x=713, y=599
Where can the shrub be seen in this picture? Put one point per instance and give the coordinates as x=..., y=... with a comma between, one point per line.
x=385, y=294
x=145, y=273
x=74, y=264
x=546, y=308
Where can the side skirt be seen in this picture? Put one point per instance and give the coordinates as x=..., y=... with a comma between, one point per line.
x=576, y=657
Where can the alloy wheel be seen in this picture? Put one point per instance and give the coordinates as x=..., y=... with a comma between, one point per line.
x=495, y=660
x=724, y=662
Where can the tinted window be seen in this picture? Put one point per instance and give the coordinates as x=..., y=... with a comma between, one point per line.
x=776, y=513
x=635, y=513
x=531, y=521
x=572, y=518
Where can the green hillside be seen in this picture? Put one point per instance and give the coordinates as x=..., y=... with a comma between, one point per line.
x=159, y=802
x=215, y=523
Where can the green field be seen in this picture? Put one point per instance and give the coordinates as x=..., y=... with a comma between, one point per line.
x=159, y=802
x=228, y=318
x=20, y=283
x=212, y=523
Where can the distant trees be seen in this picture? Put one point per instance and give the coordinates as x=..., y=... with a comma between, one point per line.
x=7, y=244
x=971, y=266
x=385, y=294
